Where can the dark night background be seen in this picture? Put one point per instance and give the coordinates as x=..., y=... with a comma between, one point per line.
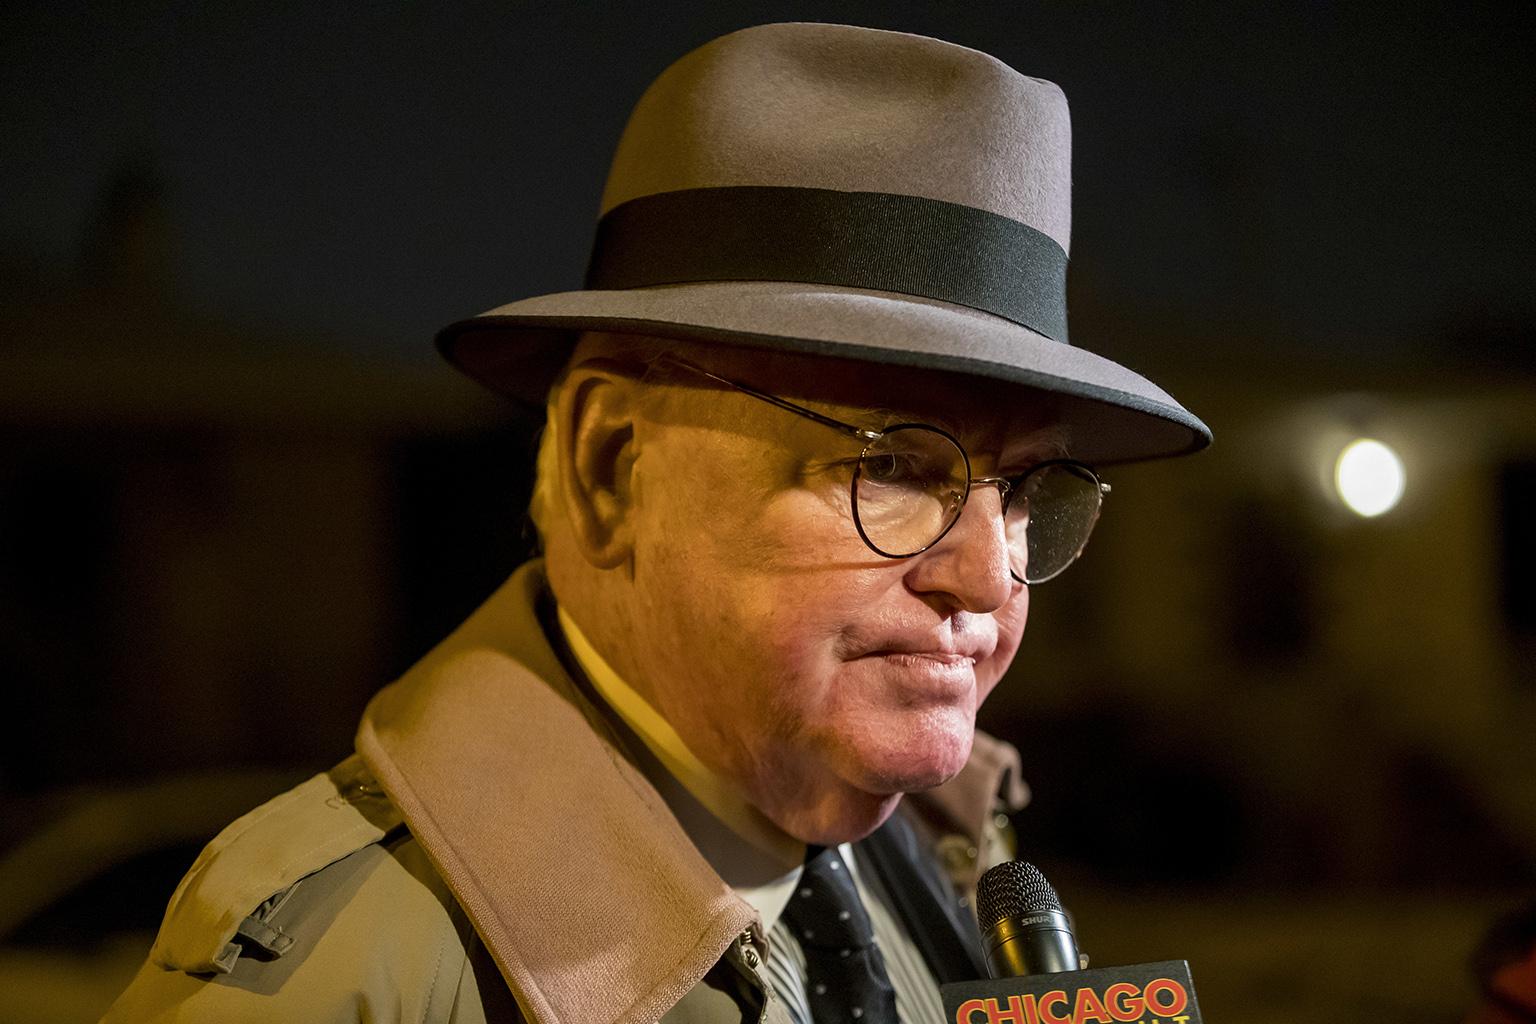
x=238, y=491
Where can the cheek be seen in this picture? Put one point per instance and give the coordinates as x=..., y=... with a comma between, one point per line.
x=781, y=571
x=770, y=586
x=798, y=627
x=1010, y=621
x=790, y=649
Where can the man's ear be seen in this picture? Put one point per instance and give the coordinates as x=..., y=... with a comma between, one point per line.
x=596, y=436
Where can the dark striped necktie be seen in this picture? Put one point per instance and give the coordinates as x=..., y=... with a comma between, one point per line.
x=845, y=972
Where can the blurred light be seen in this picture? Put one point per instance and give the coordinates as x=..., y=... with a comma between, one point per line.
x=1369, y=477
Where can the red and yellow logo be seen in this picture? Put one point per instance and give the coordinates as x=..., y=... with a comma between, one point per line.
x=1159, y=1002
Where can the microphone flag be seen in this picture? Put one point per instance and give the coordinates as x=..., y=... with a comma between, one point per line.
x=1155, y=993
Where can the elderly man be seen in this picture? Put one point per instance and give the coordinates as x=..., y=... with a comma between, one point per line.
x=813, y=431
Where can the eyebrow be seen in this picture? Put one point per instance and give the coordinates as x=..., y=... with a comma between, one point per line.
x=1056, y=443
x=889, y=417
x=1052, y=446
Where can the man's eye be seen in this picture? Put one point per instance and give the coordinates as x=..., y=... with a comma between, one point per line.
x=896, y=468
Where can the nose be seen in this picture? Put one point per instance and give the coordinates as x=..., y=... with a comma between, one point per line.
x=969, y=564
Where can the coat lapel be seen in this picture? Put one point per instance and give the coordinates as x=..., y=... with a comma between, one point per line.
x=584, y=889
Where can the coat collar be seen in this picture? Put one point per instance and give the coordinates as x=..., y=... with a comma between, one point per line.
x=579, y=880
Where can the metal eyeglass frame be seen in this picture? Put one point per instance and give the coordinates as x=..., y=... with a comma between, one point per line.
x=1006, y=485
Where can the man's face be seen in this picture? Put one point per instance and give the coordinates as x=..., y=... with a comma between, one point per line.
x=824, y=678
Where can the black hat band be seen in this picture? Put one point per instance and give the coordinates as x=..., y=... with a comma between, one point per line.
x=876, y=240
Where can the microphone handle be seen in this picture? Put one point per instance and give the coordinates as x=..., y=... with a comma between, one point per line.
x=1040, y=942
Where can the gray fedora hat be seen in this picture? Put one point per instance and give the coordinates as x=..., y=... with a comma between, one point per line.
x=847, y=192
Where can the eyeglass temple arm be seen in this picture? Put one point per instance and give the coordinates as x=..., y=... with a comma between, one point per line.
x=799, y=410
x=1007, y=483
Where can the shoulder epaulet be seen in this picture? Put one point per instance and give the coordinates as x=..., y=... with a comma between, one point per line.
x=246, y=872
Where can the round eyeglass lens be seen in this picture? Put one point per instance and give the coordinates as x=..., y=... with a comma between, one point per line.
x=1050, y=516
x=908, y=489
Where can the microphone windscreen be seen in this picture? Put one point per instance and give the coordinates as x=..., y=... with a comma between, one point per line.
x=1014, y=888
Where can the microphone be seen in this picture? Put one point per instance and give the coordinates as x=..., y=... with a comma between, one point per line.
x=1034, y=961
x=1023, y=926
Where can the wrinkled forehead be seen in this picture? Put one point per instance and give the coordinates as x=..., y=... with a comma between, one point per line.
x=986, y=415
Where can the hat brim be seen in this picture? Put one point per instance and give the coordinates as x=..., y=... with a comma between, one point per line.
x=1113, y=414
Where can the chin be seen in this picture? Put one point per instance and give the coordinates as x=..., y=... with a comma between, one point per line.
x=865, y=772
x=915, y=757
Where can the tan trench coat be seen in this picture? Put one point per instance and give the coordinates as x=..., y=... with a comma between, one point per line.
x=487, y=855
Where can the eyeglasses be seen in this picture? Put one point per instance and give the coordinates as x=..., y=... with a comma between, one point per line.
x=911, y=482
